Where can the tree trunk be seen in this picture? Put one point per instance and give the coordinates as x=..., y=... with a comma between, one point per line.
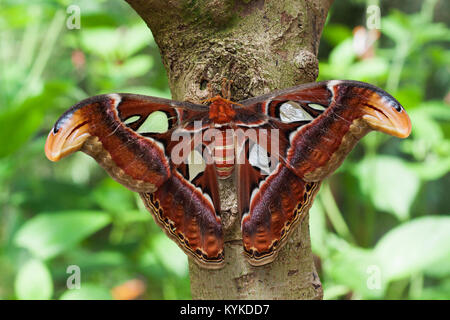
x=262, y=46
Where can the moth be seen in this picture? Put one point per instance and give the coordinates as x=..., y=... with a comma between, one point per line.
x=278, y=146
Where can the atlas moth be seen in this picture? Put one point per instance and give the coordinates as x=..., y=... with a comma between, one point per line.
x=278, y=146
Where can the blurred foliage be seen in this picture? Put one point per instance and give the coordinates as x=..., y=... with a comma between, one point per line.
x=380, y=226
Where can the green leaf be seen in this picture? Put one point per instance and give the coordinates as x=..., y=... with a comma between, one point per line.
x=439, y=292
x=97, y=19
x=343, y=55
x=114, y=43
x=33, y=281
x=368, y=69
x=21, y=121
x=432, y=168
x=135, y=66
x=170, y=255
x=409, y=96
x=425, y=127
x=414, y=246
x=89, y=260
x=52, y=195
x=113, y=197
x=133, y=216
x=336, y=33
x=440, y=269
x=431, y=32
x=390, y=184
x=100, y=41
x=137, y=37
x=87, y=292
x=334, y=292
x=48, y=234
x=355, y=268
x=394, y=27
x=436, y=109
x=318, y=229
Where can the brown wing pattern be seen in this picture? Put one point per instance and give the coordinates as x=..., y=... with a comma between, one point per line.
x=188, y=217
x=111, y=128
x=271, y=204
x=303, y=134
x=277, y=206
x=318, y=125
x=98, y=126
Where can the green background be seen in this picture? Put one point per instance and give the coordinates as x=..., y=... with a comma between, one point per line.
x=380, y=226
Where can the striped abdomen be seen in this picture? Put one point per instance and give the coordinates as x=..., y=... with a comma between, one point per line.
x=224, y=154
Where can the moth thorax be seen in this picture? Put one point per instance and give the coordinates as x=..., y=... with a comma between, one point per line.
x=223, y=154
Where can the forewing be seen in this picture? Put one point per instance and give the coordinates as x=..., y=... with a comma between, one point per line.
x=272, y=202
x=116, y=130
x=133, y=138
x=316, y=126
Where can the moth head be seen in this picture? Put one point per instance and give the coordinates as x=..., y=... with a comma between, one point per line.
x=384, y=113
x=67, y=136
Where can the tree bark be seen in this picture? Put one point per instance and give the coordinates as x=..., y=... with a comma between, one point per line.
x=262, y=46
